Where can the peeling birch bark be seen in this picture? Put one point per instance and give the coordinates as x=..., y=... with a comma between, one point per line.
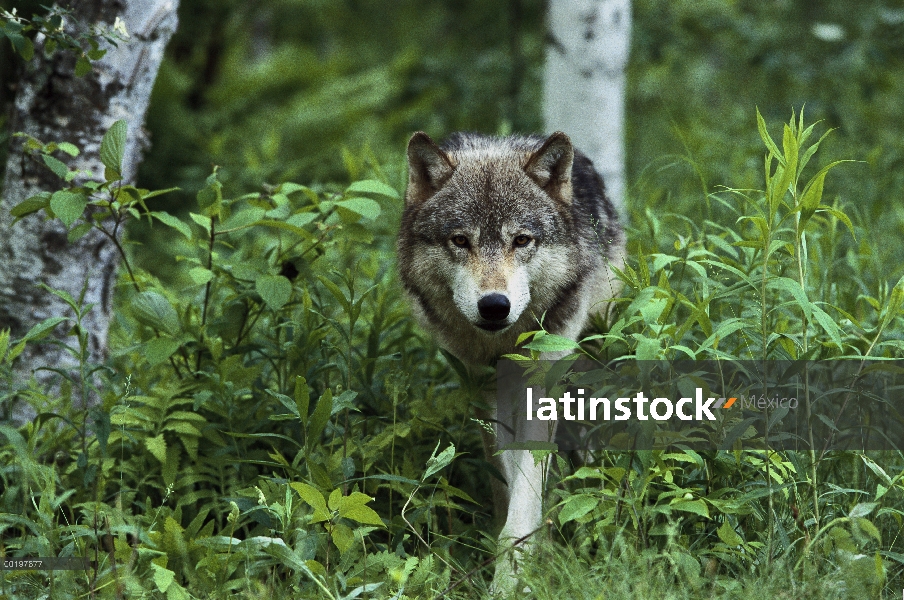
x=52, y=104
x=584, y=84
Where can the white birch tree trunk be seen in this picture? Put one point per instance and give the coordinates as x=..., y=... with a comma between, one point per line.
x=584, y=85
x=52, y=104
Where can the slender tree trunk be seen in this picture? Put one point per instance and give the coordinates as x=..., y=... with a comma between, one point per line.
x=52, y=104
x=584, y=92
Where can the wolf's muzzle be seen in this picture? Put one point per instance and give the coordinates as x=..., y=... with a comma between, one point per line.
x=494, y=308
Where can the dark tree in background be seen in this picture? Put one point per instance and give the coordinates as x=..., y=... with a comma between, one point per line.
x=53, y=104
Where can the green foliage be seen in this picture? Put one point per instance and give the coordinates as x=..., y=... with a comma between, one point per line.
x=696, y=69
x=267, y=424
x=261, y=348
x=759, y=287
x=268, y=370
x=56, y=35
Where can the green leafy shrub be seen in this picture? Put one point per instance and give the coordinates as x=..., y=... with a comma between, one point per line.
x=268, y=425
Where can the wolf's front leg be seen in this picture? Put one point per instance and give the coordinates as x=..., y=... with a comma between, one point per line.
x=526, y=482
x=525, y=476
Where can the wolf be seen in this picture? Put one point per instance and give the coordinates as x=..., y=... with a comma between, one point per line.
x=499, y=235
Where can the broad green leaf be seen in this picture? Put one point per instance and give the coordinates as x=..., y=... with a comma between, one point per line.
x=345, y=401
x=698, y=507
x=353, y=507
x=43, y=328
x=812, y=149
x=793, y=287
x=789, y=144
x=321, y=415
x=725, y=328
x=767, y=139
x=287, y=403
x=285, y=226
x=82, y=66
x=276, y=290
x=157, y=447
x=112, y=149
x=15, y=351
x=810, y=199
x=70, y=149
x=160, y=349
x=4, y=343
x=78, y=232
x=551, y=342
x=22, y=44
x=841, y=217
x=652, y=310
x=163, y=577
x=647, y=348
x=301, y=219
x=524, y=336
x=437, y=463
x=289, y=188
x=200, y=275
x=873, y=466
x=371, y=186
x=210, y=198
x=314, y=499
x=244, y=218
x=862, y=509
x=662, y=260
x=343, y=537
x=68, y=206
x=682, y=348
x=302, y=399
x=56, y=165
x=171, y=221
x=828, y=324
x=828, y=422
x=867, y=527
x=337, y=293
x=62, y=295
x=577, y=506
x=31, y=205
x=728, y=535
x=738, y=273
x=154, y=310
x=367, y=208
x=146, y=195
x=895, y=302
x=812, y=194
x=588, y=472
x=333, y=500
x=202, y=220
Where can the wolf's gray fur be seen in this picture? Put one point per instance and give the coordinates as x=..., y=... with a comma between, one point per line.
x=497, y=234
x=489, y=190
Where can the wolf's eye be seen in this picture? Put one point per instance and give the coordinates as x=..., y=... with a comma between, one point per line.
x=460, y=241
x=521, y=241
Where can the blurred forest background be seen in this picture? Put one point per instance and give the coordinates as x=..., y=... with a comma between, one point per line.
x=317, y=90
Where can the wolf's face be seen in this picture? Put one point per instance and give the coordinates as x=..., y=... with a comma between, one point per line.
x=489, y=227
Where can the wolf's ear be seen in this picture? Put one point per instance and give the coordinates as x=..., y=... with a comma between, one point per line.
x=550, y=166
x=428, y=168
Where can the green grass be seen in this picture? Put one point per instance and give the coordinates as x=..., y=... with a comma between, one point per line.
x=275, y=426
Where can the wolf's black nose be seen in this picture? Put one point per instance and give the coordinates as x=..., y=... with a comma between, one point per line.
x=494, y=307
